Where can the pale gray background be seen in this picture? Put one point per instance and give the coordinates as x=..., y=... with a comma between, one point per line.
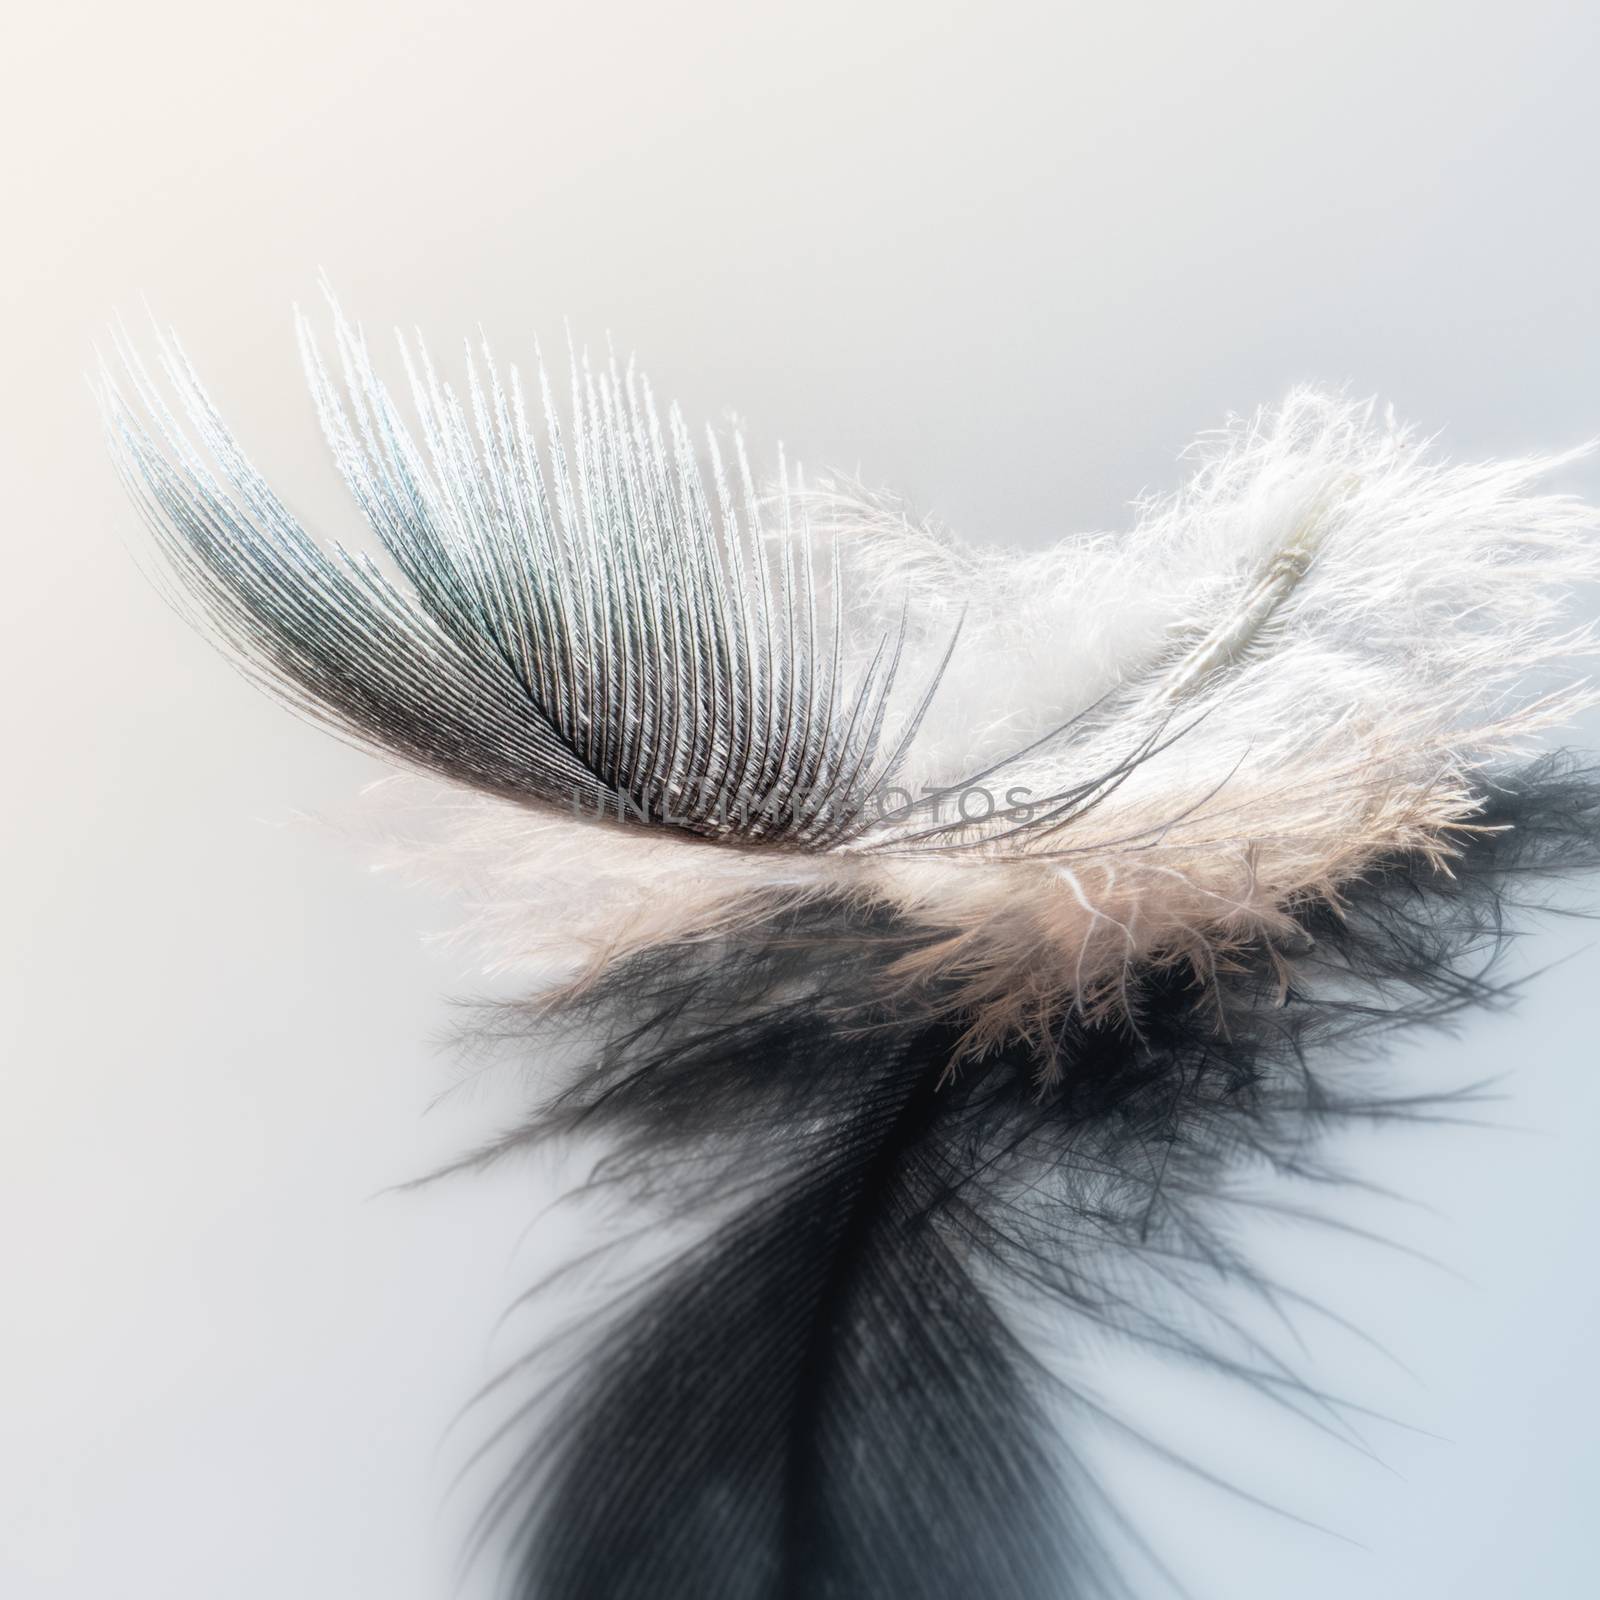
x=1007, y=259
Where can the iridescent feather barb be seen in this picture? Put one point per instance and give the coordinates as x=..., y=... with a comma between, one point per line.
x=577, y=623
x=938, y=931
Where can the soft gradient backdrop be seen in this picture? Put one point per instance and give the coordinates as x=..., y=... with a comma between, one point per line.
x=1007, y=259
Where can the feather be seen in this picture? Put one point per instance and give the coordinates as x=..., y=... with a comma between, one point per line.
x=578, y=632
x=830, y=1389
x=938, y=934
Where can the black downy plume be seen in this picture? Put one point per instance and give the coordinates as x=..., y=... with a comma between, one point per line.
x=823, y=1393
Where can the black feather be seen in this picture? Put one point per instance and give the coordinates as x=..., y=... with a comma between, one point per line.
x=825, y=1394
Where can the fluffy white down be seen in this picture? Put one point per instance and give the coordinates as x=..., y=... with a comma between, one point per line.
x=1320, y=645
